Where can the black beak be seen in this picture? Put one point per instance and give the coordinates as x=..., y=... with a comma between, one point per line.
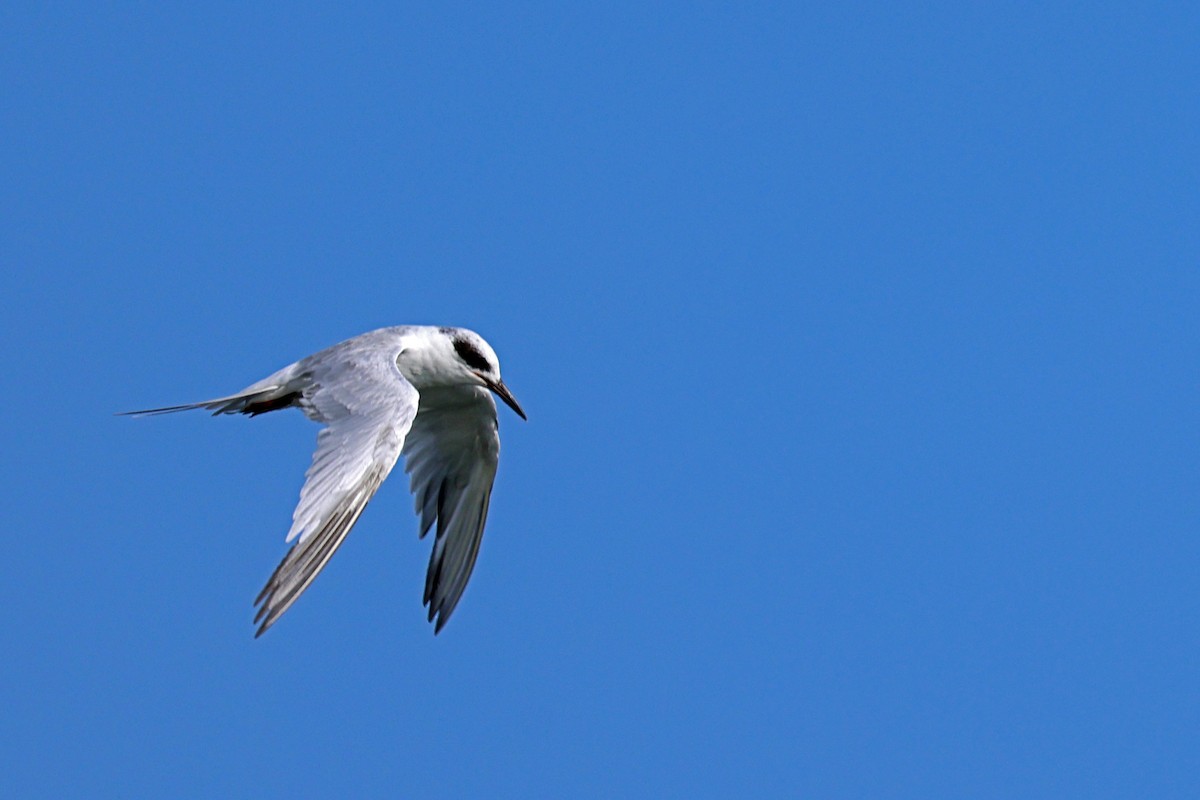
x=502, y=391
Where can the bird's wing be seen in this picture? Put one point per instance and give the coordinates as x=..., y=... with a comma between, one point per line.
x=368, y=407
x=451, y=454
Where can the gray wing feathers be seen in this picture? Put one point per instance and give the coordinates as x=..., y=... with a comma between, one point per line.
x=455, y=552
x=368, y=407
x=368, y=414
x=451, y=454
x=308, y=556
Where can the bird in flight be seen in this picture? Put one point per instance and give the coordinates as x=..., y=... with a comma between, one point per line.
x=419, y=391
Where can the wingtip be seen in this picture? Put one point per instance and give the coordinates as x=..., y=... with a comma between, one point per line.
x=266, y=623
x=432, y=615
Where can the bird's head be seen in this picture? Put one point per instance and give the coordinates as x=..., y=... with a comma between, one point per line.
x=454, y=357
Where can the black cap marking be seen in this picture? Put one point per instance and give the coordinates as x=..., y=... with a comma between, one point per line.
x=470, y=356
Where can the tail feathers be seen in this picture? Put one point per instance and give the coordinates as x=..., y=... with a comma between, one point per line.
x=253, y=402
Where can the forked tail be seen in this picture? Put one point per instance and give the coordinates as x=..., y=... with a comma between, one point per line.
x=254, y=401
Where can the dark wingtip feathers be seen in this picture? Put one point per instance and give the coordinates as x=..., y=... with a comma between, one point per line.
x=270, y=404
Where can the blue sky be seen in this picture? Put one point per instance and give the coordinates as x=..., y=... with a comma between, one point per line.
x=859, y=349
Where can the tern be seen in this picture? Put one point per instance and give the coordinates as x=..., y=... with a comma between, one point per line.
x=423, y=392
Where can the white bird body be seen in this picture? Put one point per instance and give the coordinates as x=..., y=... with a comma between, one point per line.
x=420, y=391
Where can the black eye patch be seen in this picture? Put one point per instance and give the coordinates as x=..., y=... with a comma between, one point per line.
x=470, y=356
